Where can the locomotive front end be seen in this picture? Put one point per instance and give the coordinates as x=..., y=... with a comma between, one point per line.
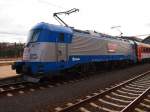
x=45, y=51
x=32, y=54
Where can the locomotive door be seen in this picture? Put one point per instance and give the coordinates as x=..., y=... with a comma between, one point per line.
x=62, y=53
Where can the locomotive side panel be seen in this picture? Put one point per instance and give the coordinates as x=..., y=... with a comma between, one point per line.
x=100, y=46
x=48, y=53
x=92, y=46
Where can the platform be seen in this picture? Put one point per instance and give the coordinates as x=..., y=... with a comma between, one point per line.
x=5, y=71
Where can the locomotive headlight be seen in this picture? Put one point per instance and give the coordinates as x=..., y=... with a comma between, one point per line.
x=33, y=56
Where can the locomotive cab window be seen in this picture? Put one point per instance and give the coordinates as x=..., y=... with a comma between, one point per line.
x=61, y=37
x=33, y=36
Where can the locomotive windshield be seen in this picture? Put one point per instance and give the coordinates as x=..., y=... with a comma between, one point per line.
x=33, y=36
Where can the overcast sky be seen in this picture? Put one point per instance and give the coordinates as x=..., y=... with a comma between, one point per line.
x=18, y=16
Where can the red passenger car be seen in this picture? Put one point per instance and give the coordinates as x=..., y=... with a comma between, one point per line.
x=143, y=52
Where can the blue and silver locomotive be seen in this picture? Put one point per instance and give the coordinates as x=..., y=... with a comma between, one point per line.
x=52, y=48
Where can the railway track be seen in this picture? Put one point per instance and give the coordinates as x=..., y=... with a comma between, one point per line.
x=15, y=85
x=129, y=96
x=12, y=79
x=11, y=88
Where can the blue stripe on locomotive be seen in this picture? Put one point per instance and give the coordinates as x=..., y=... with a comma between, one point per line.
x=47, y=67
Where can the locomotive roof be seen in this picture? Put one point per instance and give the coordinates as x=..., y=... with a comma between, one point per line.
x=52, y=27
x=69, y=30
x=101, y=35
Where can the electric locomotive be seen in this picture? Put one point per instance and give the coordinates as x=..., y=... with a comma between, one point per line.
x=52, y=48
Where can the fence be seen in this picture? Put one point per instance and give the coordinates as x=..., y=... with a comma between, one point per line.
x=11, y=50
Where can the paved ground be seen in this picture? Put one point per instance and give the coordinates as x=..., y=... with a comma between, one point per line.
x=69, y=92
x=6, y=61
x=9, y=59
x=5, y=71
